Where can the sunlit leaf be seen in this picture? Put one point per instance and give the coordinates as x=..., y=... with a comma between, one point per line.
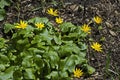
x=29, y=73
x=69, y=62
x=53, y=75
x=4, y=3
x=2, y=14
x=8, y=27
x=8, y=74
x=38, y=19
x=67, y=26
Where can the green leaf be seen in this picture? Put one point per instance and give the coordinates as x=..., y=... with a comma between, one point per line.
x=53, y=75
x=53, y=58
x=27, y=61
x=8, y=74
x=68, y=49
x=56, y=48
x=49, y=24
x=70, y=62
x=2, y=42
x=45, y=36
x=29, y=32
x=63, y=74
x=4, y=3
x=82, y=46
x=100, y=27
x=4, y=59
x=35, y=50
x=82, y=54
x=58, y=39
x=24, y=41
x=73, y=35
x=39, y=63
x=17, y=75
x=67, y=26
x=38, y=19
x=8, y=27
x=36, y=39
x=15, y=35
x=2, y=67
x=29, y=73
x=42, y=47
x=2, y=14
x=65, y=50
x=90, y=69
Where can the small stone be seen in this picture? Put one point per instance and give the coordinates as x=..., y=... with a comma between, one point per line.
x=108, y=24
x=112, y=33
x=92, y=59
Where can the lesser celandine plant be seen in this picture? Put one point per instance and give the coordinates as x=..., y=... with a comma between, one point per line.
x=38, y=51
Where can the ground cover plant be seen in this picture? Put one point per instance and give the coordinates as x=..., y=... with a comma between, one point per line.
x=39, y=50
x=3, y=4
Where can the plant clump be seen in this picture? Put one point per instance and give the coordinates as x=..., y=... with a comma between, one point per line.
x=37, y=50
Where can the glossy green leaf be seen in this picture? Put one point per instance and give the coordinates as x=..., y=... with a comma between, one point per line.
x=4, y=3
x=2, y=67
x=8, y=74
x=68, y=49
x=53, y=75
x=90, y=69
x=38, y=19
x=36, y=39
x=53, y=58
x=4, y=59
x=29, y=32
x=82, y=46
x=29, y=73
x=69, y=63
x=2, y=14
x=27, y=61
x=58, y=39
x=45, y=36
x=39, y=63
x=63, y=74
x=2, y=42
x=35, y=50
x=73, y=35
x=8, y=27
x=17, y=75
x=24, y=41
x=67, y=26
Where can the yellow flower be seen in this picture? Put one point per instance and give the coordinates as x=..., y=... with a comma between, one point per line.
x=39, y=25
x=77, y=73
x=97, y=19
x=96, y=46
x=59, y=20
x=52, y=12
x=22, y=25
x=86, y=28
